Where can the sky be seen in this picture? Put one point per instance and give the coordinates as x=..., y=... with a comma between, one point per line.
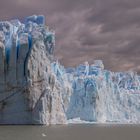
x=87, y=29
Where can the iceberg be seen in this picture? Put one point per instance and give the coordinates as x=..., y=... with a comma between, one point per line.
x=36, y=89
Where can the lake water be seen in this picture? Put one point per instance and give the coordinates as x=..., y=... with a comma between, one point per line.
x=71, y=132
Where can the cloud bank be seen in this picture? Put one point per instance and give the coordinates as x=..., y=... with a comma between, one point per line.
x=87, y=29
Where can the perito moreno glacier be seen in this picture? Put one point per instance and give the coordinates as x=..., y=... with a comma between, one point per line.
x=36, y=89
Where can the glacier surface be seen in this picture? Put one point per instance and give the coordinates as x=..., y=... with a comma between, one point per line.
x=37, y=89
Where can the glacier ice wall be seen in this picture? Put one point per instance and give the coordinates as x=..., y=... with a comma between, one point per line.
x=104, y=96
x=36, y=89
x=98, y=95
x=29, y=91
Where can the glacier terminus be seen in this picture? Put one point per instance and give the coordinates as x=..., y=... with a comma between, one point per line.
x=36, y=89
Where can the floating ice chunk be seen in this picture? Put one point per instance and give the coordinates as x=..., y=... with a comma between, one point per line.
x=43, y=135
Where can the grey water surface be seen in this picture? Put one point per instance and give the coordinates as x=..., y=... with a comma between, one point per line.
x=71, y=132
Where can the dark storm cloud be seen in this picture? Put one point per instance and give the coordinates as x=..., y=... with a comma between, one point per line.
x=87, y=29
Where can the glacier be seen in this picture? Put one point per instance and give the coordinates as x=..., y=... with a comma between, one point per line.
x=36, y=89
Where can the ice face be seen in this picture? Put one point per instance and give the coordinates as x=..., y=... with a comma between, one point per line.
x=99, y=95
x=55, y=94
x=104, y=96
x=27, y=85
